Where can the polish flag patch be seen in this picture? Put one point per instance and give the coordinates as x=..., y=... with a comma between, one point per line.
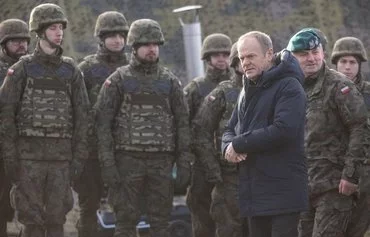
x=211, y=98
x=345, y=90
x=107, y=83
x=10, y=72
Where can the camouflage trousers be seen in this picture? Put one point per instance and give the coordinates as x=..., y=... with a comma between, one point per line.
x=90, y=191
x=6, y=210
x=199, y=202
x=42, y=197
x=328, y=216
x=145, y=179
x=360, y=217
x=225, y=207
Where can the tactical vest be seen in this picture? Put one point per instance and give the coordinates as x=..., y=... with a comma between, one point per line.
x=204, y=86
x=231, y=93
x=145, y=122
x=45, y=109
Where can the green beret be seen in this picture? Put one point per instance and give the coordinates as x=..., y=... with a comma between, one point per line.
x=305, y=39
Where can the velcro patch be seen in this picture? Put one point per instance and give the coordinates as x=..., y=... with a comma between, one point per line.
x=345, y=90
x=10, y=72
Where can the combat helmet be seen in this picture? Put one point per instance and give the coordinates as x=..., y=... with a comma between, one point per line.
x=234, y=57
x=46, y=14
x=215, y=43
x=13, y=29
x=348, y=46
x=110, y=21
x=145, y=31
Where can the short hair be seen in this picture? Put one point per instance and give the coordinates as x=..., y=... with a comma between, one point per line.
x=263, y=39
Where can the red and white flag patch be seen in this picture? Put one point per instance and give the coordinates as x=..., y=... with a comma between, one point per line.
x=107, y=83
x=10, y=72
x=211, y=98
x=345, y=90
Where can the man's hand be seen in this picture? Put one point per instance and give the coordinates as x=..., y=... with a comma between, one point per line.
x=232, y=156
x=347, y=188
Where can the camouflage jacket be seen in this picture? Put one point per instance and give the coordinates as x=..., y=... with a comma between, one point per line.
x=209, y=124
x=122, y=86
x=52, y=70
x=335, y=119
x=96, y=68
x=200, y=87
x=5, y=63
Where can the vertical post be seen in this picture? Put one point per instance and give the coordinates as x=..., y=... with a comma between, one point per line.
x=192, y=36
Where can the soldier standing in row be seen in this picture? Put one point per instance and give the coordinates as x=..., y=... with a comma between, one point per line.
x=215, y=52
x=111, y=30
x=347, y=55
x=334, y=136
x=44, y=113
x=209, y=124
x=14, y=41
x=142, y=129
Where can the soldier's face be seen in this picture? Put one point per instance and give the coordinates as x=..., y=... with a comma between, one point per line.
x=252, y=57
x=310, y=61
x=114, y=42
x=148, y=52
x=220, y=60
x=55, y=33
x=349, y=66
x=16, y=48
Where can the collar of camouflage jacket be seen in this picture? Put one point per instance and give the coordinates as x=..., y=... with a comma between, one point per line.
x=47, y=59
x=111, y=57
x=216, y=75
x=146, y=68
x=6, y=58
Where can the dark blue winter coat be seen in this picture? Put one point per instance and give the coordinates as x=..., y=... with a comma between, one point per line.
x=268, y=125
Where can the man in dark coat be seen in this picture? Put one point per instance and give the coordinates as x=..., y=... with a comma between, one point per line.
x=265, y=137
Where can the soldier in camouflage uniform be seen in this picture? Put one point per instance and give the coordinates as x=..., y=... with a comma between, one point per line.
x=215, y=52
x=209, y=124
x=347, y=55
x=111, y=29
x=44, y=108
x=142, y=129
x=336, y=118
x=14, y=40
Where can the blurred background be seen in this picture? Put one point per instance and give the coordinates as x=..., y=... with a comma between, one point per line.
x=278, y=18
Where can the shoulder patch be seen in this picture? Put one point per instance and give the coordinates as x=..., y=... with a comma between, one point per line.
x=211, y=98
x=10, y=72
x=345, y=90
x=107, y=83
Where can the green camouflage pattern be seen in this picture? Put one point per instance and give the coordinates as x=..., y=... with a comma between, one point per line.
x=234, y=56
x=145, y=31
x=348, y=46
x=336, y=118
x=142, y=82
x=14, y=97
x=215, y=43
x=46, y=14
x=208, y=127
x=146, y=187
x=95, y=68
x=13, y=29
x=110, y=21
x=328, y=216
x=199, y=87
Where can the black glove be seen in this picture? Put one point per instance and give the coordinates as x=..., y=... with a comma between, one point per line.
x=76, y=168
x=12, y=170
x=110, y=176
x=182, y=176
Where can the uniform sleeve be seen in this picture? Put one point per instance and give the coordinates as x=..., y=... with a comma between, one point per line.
x=107, y=105
x=179, y=108
x=189, y=92
x=288, y=119
x=205, y=125
x=352, y=110
x=10, y=96
x=81, y=105
x=230, y=129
